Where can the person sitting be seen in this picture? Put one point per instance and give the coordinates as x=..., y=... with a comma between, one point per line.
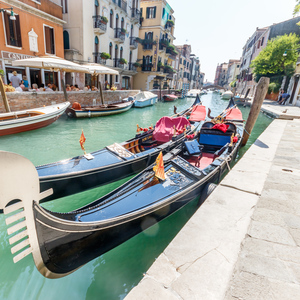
x=34, y=87
x=42, y=88
x=94, y=88
x=68, y=88
x=19, y=88
x=283, y=98
x=49, y=88
x=54, y=87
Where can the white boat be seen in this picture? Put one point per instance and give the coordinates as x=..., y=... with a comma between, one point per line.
x=227, y=95
x=193, y=93
x=143, y=99
x=30, y=119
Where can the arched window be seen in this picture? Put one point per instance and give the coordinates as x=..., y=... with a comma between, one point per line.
x=66, y=40
x=117, y=20
x=116, y=56
x=97, y=6
x=111, y=19
x=110, y=50
x=121, y=52
x=122, y=22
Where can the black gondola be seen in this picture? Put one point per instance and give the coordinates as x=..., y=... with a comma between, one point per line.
x=114, y=162
x=63, y=242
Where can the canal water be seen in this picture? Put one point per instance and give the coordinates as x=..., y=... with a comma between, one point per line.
x=112, y=275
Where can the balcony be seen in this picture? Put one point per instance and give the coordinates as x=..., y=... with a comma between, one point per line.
x=135, y=15
x=147, y=67
x=99, y=24
x=163, y=43
x=98, y=59
x=118, y=64
x=147, y=46
x=133, y=43
x=122, y=4
x=119, y=35
x=131, y=67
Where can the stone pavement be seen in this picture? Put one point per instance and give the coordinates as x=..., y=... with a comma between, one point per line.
x=244, y=241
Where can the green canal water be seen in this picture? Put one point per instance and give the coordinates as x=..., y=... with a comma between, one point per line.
x=112, y=275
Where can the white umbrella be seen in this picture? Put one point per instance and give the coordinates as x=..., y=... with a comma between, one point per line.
x=52, y=63
x=99, y=69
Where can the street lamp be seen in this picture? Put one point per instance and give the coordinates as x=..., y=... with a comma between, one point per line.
x=12, y=15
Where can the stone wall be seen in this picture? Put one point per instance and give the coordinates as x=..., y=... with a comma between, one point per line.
x=21, y=101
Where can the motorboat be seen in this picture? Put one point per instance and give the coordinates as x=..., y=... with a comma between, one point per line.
x=143, y=99
x=170, y=98
x=30, y=119
x=193, y=93
x=227, y=95
x=78, y=111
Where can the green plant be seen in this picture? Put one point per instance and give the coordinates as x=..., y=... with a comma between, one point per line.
x=104, y=20
x=159, y=64
x=123, y=61
x=170, y=22
x=273, y=88
x=123, y=30
x=137, y=64
x=105, y=55
x=1, y=72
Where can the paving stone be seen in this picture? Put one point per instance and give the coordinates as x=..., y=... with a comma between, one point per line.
x=265, y=266
x=295, y=233
x=150, y=289
x=271, y=233
x=269, y=216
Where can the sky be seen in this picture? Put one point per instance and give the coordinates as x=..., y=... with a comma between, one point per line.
x=217, y=30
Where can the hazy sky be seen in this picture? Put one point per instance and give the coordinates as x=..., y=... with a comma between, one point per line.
x=217, y=30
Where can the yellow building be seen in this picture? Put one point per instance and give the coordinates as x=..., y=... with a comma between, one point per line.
x=156, y=52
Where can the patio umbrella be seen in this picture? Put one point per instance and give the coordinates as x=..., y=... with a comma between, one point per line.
x=52, y=63
x=97, y=69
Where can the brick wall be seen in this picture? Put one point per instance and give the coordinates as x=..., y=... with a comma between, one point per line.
x=21, y=101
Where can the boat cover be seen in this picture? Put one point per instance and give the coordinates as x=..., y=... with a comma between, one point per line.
x=164, y=128
x=234, y=114
x=198, y=113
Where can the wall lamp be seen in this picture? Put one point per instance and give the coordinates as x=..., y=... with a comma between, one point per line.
x=12, y=15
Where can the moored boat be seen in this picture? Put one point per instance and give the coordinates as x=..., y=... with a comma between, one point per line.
x=116, y=161
x=144, y=99
x=79, y=111
x=170, y=98
x=30, y=119
x=63, y=242
x=193, y=93
x=227, y=95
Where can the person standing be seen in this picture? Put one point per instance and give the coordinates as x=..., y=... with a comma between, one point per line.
x=15, y=80
x=25, y=81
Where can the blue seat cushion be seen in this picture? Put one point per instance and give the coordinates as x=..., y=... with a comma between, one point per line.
x=192, y=147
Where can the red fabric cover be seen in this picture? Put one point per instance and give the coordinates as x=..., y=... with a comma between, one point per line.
x=223, y=127
x=198, y=113
x=234, y=114
x=164, y=128
x=235, y=139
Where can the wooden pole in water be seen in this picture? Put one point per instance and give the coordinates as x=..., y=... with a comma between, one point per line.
x=101, y=93
x=259, y=96
x=64, y=89
x=3, y=94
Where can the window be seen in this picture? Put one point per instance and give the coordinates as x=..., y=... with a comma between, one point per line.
x=121, y=52
x=12, y=30
x=64, y=6
x=111, y=19
x=49, y=40
x=262, y=41
x=122, y=22
x=66, y=40
x=151, y=12
x=110, y=50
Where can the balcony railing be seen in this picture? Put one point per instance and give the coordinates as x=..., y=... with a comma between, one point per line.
x=131, y=67
x=163, y=43
x=133, y=43
x=99, y=24
x=135, y=14
x=120, y=35
x=98, y=59
x=118, y=64
x=147, y=46
x=122, y=4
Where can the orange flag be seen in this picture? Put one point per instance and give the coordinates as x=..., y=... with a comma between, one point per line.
x=82, y=141
x=159, y=167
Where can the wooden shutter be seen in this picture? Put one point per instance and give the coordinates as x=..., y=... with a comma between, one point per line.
x=147, y=12
x=154, y=13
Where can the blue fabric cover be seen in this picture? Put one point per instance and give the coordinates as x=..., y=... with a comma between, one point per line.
x=192, y=147
x=214, y=140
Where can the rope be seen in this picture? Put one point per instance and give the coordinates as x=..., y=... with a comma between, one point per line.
x=227, y=160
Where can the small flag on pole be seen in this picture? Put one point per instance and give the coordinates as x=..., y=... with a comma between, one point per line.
x=159, y=167
x=82, y=141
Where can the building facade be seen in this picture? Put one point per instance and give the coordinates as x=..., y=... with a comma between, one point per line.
x=103, y=32
x=35, y=30
x=156, y=51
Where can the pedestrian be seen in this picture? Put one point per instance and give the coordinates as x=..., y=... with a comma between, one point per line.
x=106, y=85
x=25, y=81
x=284, y=98
x=15, y=80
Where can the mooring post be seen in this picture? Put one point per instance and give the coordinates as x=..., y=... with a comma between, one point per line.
x=259, y=96
x=3, y=94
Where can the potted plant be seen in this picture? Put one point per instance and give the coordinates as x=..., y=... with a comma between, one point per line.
x=123, y=31
x=170, y=23
x=123, y=61
x=159, y=64
x=137, y=64
x=104, y=20
x=105, y=55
